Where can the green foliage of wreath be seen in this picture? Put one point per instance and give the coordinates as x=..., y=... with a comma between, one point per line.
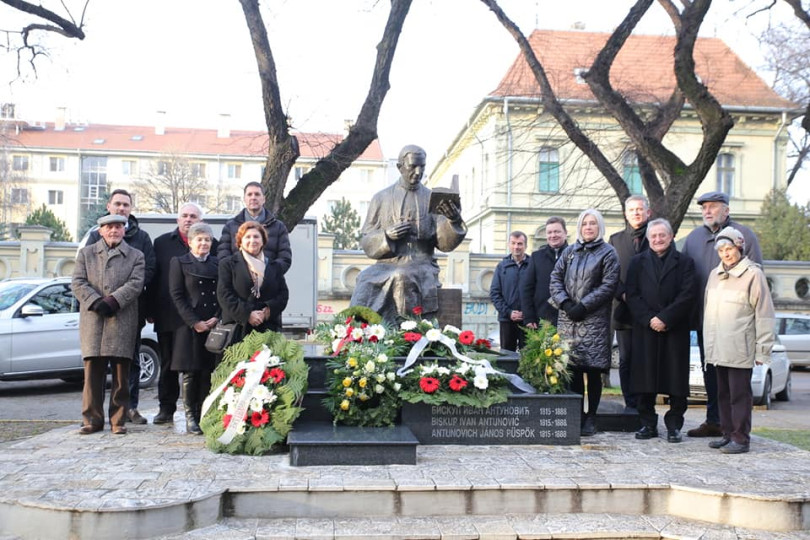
x=360, y=313
x=455, y=385
x=284, y=410
x=357, y=395
x=544, y=360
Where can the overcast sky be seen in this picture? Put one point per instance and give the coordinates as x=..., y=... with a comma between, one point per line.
x=193, y=59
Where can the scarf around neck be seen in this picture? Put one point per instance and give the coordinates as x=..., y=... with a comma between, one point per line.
x=256, y=267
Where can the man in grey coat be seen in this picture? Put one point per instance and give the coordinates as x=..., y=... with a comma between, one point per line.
x=107, y=281
x=699, y=245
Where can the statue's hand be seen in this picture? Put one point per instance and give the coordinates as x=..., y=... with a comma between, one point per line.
x=449, y=210
x=398, y=230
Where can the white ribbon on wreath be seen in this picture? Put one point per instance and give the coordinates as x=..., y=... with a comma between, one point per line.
x=484, y=365
x=254, y=369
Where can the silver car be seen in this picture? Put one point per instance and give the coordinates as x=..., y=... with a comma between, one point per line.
x=794, y=333
x=768, y=381
x=39, y=333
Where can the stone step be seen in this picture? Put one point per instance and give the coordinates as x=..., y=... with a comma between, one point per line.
x=490, y=527
x=319, y=443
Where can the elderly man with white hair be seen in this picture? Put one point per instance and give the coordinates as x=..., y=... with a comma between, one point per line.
x=162, y=310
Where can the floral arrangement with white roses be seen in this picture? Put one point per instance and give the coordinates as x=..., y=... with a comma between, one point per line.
x=361, y=375
x=460, y=383
x=257, y=391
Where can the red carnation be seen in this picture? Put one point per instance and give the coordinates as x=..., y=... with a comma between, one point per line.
x=457, y=384
x=348, y=320
x=277, y=374
x=412, y=337
x=418, y=310
x=483, y=343
x=466, y=337
x=238, y=380
x=429, y=384
x=258, y=419
x=373, y=339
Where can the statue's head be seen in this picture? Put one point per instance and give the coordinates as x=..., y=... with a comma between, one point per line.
x=411, y=163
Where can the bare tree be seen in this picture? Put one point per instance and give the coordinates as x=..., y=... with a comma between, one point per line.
x=283, y=148
x=669, y=182
x=788, y=57
x=42, y=20
x=171, y=181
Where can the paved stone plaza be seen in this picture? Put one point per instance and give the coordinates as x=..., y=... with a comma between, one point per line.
x=159, y=482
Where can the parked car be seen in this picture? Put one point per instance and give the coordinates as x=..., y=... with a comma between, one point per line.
x=768, y=381
x=794, y=333
x=39, y=333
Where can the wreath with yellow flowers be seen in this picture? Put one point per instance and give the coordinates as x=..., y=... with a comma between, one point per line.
x=362, y=386
x=544, y=360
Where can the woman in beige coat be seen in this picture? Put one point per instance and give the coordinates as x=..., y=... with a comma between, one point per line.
x=738, y=329
x=107, y=281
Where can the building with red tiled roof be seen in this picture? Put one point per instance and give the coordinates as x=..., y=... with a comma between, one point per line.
x=516, y=166
x=70, y=167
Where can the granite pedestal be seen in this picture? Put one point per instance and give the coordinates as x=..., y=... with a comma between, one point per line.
x=319, y=443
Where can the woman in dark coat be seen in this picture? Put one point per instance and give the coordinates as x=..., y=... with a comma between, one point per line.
x=193, y=289
x=582, y=286
x=660, y=294
x=251, y=289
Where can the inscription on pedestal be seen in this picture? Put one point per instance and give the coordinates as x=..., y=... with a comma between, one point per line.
x=523, y=419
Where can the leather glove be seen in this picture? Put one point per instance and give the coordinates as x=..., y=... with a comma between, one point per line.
x=102, y=308
x=577, y=312
x=112, y=303
x=567, y=305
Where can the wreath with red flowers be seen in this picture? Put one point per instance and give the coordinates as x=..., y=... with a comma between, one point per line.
x=273, y=371
x=458, y=383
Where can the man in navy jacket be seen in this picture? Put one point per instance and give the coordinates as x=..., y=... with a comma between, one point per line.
x=505, y=292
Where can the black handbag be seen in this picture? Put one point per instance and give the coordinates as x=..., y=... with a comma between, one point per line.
x=220, y=337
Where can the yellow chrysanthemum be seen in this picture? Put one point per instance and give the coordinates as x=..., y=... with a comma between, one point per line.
x=552, y=379
x=352, y=362
x=557, y=351
x=548, y=352
x=363, y=396
x=362, y=382
x=555, y=338
x=549, y=370
x=344, y=405
x=349, y=392
x=347, y=381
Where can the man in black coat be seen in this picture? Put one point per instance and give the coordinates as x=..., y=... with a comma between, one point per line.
x=277, y=247
x=661, y=291
x=120, y=203
x=627, y=243
x=505, y=292
x=162, y=310
x=534, y=292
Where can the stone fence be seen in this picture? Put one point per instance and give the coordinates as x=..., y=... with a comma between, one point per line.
x=34, y=255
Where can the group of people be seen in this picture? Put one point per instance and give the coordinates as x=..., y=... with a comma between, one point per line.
x=652, y=295
x=185, y=283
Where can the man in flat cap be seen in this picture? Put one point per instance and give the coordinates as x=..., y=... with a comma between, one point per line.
x=107, y=281
x=701, y=247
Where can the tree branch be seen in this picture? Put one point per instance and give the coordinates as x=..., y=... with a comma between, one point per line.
x=361, y=134
x=555, y=108
x=60, y=24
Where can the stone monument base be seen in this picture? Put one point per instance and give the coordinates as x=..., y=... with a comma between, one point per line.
x=523, y=419
x=320, y=443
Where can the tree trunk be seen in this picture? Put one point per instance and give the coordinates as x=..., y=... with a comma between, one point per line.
x=282, y=149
